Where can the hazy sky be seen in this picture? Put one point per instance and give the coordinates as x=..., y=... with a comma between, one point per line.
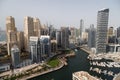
x=59, y=12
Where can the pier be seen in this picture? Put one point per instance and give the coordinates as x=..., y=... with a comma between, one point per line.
x=105, y=72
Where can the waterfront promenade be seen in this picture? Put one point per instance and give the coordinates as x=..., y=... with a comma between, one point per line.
x=19, y=70
x=34, y=68
x=41, y=73
x=62, y=63
x=86, y=50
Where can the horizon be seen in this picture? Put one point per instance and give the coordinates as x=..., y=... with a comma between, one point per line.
x=59, y=13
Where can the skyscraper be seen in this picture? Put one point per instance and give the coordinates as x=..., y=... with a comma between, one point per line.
x=28, y=31
x=102, y=25
x=53, y=46
x=11, y=32
x=44, y=30
x=37, y=27
x=15, y=55
x=40, y=48
x=118, y=32
x=20, y=40
x=110, y=31
x=65, y=37
x=58, y=38
x=91, y=36
x=72, y=37
x=45, y=46
x=81, y=27
x=51, y=32
x=35, y=54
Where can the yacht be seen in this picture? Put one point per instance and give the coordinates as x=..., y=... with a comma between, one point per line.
x=76, y=50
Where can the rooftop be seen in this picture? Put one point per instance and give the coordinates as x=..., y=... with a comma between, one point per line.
x=82, y=75
x=104, y=10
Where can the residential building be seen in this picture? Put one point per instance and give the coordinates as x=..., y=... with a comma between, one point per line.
x=11, y=32
x=28, y=31
x=114, y=48
x=51, y=32
x=15, y=55
x=91, y=36
x=34, y=48
x=44, y=30
x=58, y=39
x=4, y=67
x=102, y=26
x=110, y=31
x=118, y=32
x=20, y=40
x=53, y=46
x=45, y=46
x=40, y=48
x=37, y=27
x=72, y=37
x=84, y=37
x=81, y=27
x=65, y=37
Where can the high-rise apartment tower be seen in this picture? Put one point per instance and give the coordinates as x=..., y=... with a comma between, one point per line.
x=102, y=26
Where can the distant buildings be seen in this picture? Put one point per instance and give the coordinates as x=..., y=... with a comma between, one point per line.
x=58, y=38
x=101, y=36
x=44, y=30
x=37, y=27
x=11, y=32
x=111, y=35
x=20, y=40
x=15, y=55
x=118, y=32
x=91, y=36
x=81, y=27
x=84, y=37
x=51, y=32
x=110, y=31
x=81, y=75
x=53, y=46
x=65, y=37
x=62, y=38
x=72, y=37
x=119, y=40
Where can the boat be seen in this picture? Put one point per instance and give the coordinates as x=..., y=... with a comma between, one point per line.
x=76, y=50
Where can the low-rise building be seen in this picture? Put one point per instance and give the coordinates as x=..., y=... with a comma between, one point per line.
x=53, y=46
x=15, y=55
x=4, y=67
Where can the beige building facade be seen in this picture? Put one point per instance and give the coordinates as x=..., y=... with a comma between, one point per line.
x=28, y=31
x=11, y=32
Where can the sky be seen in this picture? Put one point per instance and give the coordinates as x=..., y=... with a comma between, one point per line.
x=59, y=12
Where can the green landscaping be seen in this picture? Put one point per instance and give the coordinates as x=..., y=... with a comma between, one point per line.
x=53, y=62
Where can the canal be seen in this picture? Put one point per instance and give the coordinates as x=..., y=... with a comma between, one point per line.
x=77, y=63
